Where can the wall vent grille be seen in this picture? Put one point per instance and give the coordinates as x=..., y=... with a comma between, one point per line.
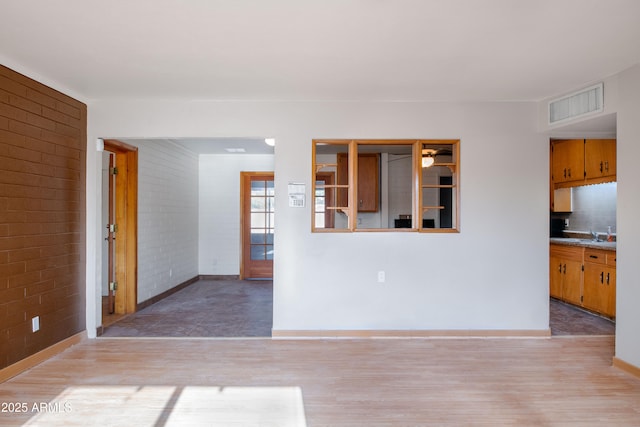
x=577, y=104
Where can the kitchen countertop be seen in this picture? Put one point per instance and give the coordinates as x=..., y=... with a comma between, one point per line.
x=586, y=243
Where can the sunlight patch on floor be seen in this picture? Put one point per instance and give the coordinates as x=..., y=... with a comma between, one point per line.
x=173, y=406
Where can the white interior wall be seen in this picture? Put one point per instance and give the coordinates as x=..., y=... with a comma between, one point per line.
x=621, y=94
x=219, y=209
x=492, y=275
x=167, y=216
x=628, y=226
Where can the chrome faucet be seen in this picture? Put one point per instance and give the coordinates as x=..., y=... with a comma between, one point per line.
x=594, y=236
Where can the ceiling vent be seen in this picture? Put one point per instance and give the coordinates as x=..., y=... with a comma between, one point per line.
x=577, y=104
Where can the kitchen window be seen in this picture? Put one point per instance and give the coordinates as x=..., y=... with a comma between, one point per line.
x=386, y=185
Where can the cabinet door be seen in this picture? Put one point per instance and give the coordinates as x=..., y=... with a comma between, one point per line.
x=368, y=185
x=593, y=280
x=568, y=160
x=368, y=182
x=600, y=157
x=571, y=281
x=609, y=293
x=555, y=277
x=599, y=288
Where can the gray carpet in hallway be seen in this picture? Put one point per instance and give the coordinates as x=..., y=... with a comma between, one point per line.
x=207, y=308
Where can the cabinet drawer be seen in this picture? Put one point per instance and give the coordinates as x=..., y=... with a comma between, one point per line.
x=597, y=256
x=572, y=253
x=611, y=259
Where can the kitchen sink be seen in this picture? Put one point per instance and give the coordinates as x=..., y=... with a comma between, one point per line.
x=578, y=240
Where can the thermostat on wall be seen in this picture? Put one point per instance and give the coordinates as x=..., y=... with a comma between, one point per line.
x=296, y=195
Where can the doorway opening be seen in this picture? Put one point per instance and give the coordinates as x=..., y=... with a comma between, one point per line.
x=191, y=195
x=582, y=255
x=119, y=219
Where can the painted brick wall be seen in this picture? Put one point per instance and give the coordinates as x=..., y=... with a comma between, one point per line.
x=167, y=216
x=42, y=216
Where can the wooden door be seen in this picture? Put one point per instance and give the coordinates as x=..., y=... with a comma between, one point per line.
x=110, y=232
x=123, y=235
x=568, y=160
x=600, y=157
x=257, y=218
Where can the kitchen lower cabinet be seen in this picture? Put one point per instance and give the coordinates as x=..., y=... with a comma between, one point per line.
x=565, y=270
x=584, y=277
x=600, y=282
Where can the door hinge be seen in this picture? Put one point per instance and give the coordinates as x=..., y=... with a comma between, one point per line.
x=112, y=228
x=582, y=267
x=113, y=171
x=113, y=286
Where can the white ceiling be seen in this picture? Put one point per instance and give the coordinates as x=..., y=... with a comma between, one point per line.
x=412, y=50
x=220, y=145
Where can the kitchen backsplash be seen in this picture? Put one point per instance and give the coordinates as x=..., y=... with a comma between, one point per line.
x=594, y=208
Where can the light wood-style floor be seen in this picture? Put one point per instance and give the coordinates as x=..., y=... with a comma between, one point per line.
x=378, y=382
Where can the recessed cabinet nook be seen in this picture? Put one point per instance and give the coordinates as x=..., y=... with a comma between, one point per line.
x=582, y=273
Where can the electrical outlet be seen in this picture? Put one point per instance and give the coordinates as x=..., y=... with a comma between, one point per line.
x=35, y=324
x=381, y=276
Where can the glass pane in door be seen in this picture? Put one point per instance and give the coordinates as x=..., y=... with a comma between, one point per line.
x=262, y=219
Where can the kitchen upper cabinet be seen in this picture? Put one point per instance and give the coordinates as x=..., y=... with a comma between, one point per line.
x=368, y=187
x=600, y=158
x=568, y=160
x=565, y=270
x=368, y=184
x=576, y=162
x=600, y=281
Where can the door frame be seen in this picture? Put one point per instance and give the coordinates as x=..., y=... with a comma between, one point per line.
x=244, y=252
x=126, y=242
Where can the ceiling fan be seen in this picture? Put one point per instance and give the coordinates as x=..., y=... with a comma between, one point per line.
x=429, y=154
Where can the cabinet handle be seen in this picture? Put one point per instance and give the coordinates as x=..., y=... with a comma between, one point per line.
x=560, y=268
x=569, y=172
x=606, y=165
x=565, y=269
x=593, y=256
x=565, y=172
x=607, y=278
x=600, y=167
x=602, y=277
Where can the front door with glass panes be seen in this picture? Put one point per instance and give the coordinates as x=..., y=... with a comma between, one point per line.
x=258, y=211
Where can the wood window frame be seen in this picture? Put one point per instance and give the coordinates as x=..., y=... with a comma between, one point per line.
x=417, y=185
